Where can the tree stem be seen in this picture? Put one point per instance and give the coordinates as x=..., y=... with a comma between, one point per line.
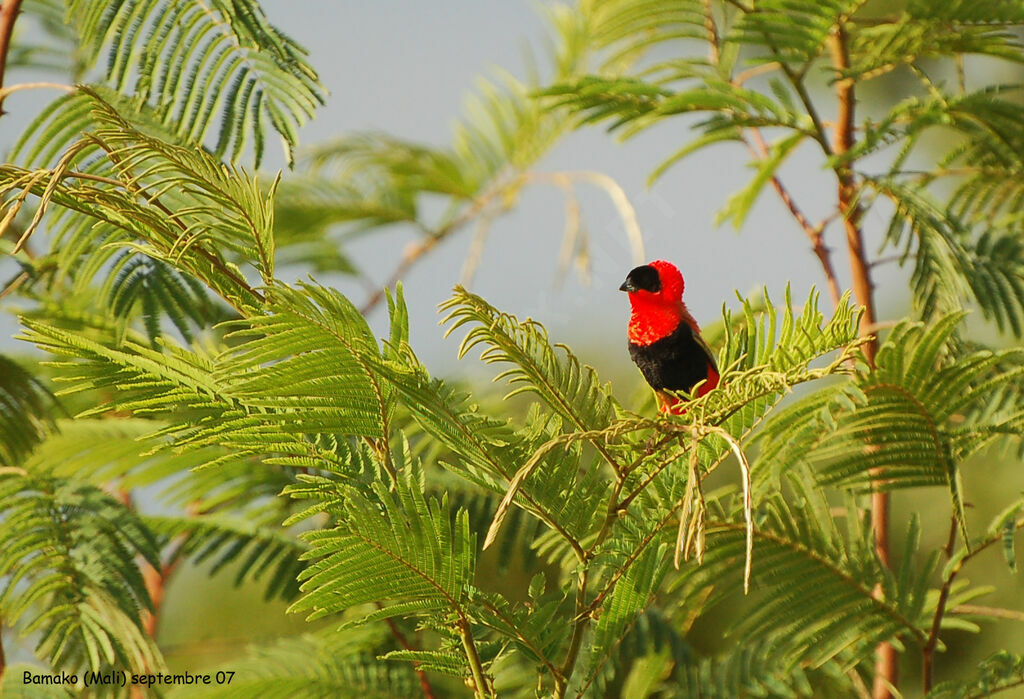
x=479, y=679
x=887, y=660
x=428, y=692
x=3, y=658
x=8, y=13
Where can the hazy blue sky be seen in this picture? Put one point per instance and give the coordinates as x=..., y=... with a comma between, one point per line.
x=405, y=66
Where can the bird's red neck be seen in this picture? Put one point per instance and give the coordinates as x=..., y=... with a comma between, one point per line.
x=655, y=317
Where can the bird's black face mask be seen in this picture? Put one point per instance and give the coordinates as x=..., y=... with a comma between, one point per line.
x=643, y=278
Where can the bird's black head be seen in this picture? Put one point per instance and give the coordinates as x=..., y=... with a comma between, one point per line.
x=643, y=278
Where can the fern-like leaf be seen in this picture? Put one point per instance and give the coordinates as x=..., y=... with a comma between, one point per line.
x=70, y=573
x=398, y=548
x=317, y=665
x=26, y=411
x=198, y=66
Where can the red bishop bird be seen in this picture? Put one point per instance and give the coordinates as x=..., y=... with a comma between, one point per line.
x=664, y=339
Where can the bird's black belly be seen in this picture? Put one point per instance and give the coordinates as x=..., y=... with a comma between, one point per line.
x=676, y=362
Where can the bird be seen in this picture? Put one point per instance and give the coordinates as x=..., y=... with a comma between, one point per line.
x=664, y=339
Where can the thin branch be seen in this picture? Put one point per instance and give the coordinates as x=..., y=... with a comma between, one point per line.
x=476, y=250
x=889, y=260
x=33, y=86
x=415, y=251
x=155, y=579
x=951, y=541
x=583, y=612
x=814, y=233
x=579, y=626
x=480, y=688
x=797, y=82
x=712, y=30
x=3, y=658
x=8, y=15
x=156, y=584
x=662, y=465
x=484, y=205
x=425, y=687
x=849, y=207
x=928, y=652
x=750, y=73
x=519, y=634
x=887, y=659
x=994, y=612
x=639, y=549
x=14, y=284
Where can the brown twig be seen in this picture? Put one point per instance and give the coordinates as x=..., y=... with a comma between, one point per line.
x=579, y=626
x=155, y=579
x=887, y=659
x=156, y=584
x=484, y=205
x=712, y=30
x=415, y=251
x=8, y=14
x=3, y=658
x=849, y=207
x=403, y=641
x=815, y=233
x=928, y=650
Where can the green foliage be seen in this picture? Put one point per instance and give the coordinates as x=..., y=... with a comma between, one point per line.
x=291, y=446
x=26, y=407
x=70, y=573
x=418, y=559
x=258, y=551
x=336, y=664
x=908, y=423
x=192, y=66
x=572, y=392
x=220, y=210
x=161, y=290
x=815, y=582
x=998, y=672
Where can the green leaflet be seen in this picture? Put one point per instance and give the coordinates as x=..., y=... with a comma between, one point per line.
x=69, y=572
x=197, y=69
x=397, y=548
x=910, y=423
x=26, y=411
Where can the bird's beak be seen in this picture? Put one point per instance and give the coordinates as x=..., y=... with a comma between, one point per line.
x=627, y=286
